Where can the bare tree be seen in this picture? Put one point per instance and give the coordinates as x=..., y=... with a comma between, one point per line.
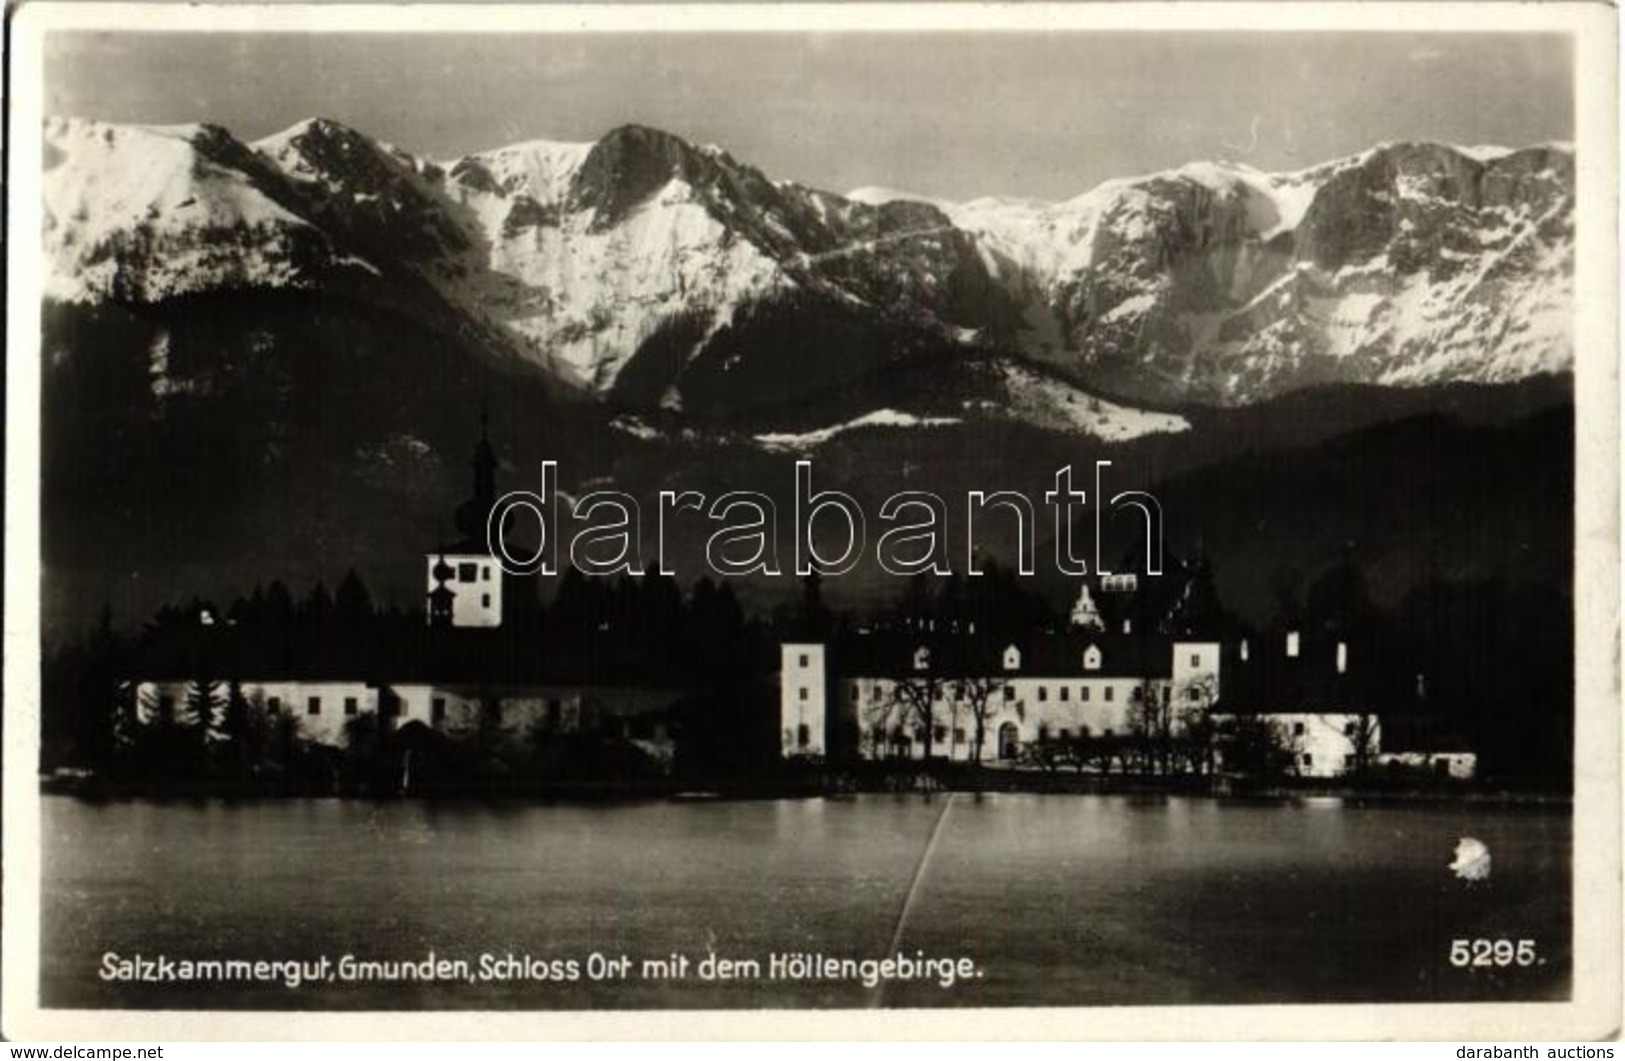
x=884, y=716
x=914, y=696
x=1363, y=734
x=876, y=725
x=977, y=692
x=1151, y=722
x=1195, y=721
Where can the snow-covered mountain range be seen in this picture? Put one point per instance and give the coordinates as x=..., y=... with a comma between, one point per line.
x=671, y=276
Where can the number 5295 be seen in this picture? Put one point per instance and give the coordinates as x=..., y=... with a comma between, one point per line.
x=1466, y=953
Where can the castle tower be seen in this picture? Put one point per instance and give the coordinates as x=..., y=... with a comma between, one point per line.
x=464, y=583
x=441, y=597
x=803, y=692
x=1085, y=613
x=472, y=514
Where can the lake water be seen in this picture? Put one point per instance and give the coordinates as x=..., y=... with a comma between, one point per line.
x=1057, y=900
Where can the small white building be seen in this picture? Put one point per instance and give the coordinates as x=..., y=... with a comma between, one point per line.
x=1322, y=743
x=528, y=710
x=464, y=589
x=803, y=690
x=1458, y=765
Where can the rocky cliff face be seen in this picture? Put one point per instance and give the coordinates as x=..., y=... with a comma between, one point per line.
x=1407, y=265
x=664, y=274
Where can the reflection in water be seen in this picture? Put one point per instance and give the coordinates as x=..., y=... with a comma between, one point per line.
x=1059, y=900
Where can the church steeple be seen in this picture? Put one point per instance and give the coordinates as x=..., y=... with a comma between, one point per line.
x=441, y=597
x=485, y=461
x=1085, y=613
x=472, y=514
x=464, y=583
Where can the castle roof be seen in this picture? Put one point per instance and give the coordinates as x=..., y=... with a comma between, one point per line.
x=891, y=653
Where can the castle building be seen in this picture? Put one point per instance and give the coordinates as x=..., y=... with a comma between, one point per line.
x=475, y=671
x=464, y=582
x=910, y=694
x=1318, y=695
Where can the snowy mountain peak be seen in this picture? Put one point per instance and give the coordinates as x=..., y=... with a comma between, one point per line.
x=323, y=149
x=647, y=268
x=878, y=195
x=315, y=125
x=139, y=213
x=539, y=169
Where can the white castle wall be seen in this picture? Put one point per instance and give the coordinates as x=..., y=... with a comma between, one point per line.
x=803, y=690
x=320, y=709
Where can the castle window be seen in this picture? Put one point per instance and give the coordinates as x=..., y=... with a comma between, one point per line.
x=485, y=572
x=274, y=704
x=1063, y=735
x=313, y=706
x=940, y=734
x=1091, y=658
x=1292, y=644
x=959, y=735
x=1083, y=694
x=922, y=658
x=1109, y=692
x=1308, y=760
x=1297, y=729
x=1348, y=729
x=1043, y=693
x=1196, y=660
x=1136, y=694
x=1043, y=732
x=1195, y=694
x=1009, y=692
x=1066, y=693
x=1012, y=658
x=803, y=735
x=467, y=572
x=1342, y=657
x=437, y=709
x=803, y=661
x=351, y=706
x=801, y=693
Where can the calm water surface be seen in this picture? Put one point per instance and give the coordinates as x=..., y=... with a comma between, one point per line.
x=1059, y=900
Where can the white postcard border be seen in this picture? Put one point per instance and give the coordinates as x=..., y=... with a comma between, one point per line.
x=1596, y=1005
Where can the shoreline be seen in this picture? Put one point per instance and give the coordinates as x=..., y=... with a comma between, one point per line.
x=840, y=787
